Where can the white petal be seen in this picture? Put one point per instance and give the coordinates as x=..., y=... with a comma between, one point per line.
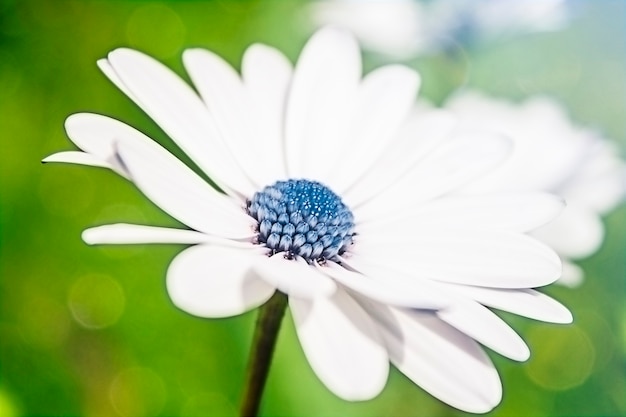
x=384, y=99
x=456, y=162
x=223, y=92
x=183, y=194
x=76, y=157
x=124, y=234
x=485, y=327
x=576, y=233
x=107, y=69
x=387, y=292
x=519, y=212
x=99, y=135
x=321, y=101
x=342, y=345
x=294, y=277
x=572, y=276
x=489, y=258
x=214, y=281
x=443, y=361
x=180, y=113
x=523, y=302
x=419, y=135
x=266, y=75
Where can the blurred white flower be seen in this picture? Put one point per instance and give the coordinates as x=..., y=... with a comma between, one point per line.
x=406, y=28
x=390, y=268
x=552, y=155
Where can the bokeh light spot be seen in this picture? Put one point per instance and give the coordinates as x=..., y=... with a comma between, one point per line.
x=563, y=357
x=140, y=30
x=96, y=301
x=137, y=392
x=44, y=322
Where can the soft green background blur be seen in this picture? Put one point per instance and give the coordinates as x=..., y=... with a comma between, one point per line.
x=90, y=331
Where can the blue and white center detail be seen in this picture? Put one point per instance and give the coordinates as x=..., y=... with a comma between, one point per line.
x=302, y=218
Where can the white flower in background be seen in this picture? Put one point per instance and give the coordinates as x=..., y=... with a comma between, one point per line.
x=337, y=195
x=553, y=155
x=406, y=28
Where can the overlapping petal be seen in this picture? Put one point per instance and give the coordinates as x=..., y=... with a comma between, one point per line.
x=183, y=194
x=343, y=345
x=216, y=281
x=177, y=109
x=442, y=360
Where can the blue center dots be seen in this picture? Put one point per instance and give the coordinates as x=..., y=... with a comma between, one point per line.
x=303, y=218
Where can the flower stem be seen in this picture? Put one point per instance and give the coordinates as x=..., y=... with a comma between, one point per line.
x=265, y=334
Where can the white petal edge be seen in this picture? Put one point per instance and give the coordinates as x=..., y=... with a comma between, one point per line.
x=321, y=101
x=222, y=90
x=456, y=162
x=390, y=292
x=183, y=194
x=448, y=364
x=176, y=108
x=488, y=258
x=518, y=212
x=214, y=281
x=342, y=345
x=577, y=232
x=384, y=100
x=128, y=234
x=294, y=277
x=77, y=157
x=523, y=302
x=266, y=74
x=485, y=327
x=421, y=133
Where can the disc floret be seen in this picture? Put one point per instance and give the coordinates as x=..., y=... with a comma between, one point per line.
x=302, y=218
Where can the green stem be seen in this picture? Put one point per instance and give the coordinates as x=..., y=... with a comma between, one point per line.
x=265, y=334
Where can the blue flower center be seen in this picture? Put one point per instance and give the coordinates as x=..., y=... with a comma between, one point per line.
x=302, y=218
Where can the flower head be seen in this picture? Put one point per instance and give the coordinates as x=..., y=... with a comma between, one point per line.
x=337, y=194
x=575, y=163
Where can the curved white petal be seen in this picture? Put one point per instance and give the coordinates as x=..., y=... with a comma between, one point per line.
x=77, y=157
x=266, y=74
x=442, y=360
x=100, y=135
x=387, y=292
x=518, y=212
x=321, y=102
x=384, y=99
x=214, y=281
x=422, y=132
x=576, y=233
x=485, y=327
x=184, y=195
x=458, y=161
x=223, y=92
x=523, y=302
x=124, y=234
x=294, y=277
x=342, y=344
x=572, y=276
x=174, y=106
x=107, y=69
x=489, y=258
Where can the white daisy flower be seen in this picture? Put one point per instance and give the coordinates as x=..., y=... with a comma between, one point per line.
x=575, y=163
x=337, y=195
x=407, y=28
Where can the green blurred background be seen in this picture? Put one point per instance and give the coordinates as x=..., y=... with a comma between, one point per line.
x=90, y=331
